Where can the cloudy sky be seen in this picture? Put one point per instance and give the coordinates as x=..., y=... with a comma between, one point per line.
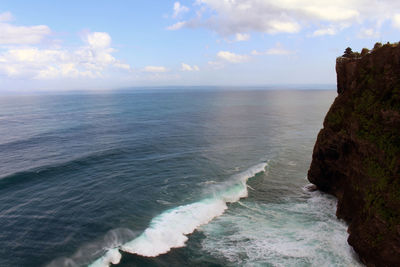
x=70, y=45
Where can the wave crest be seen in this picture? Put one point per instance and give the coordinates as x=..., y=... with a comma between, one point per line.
x=170, y=229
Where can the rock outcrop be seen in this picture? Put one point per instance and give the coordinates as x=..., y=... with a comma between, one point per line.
x=357, y=153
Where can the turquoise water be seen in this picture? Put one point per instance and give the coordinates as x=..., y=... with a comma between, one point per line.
x=165, y=178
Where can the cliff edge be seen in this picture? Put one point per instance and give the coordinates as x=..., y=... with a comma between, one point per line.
x=357, y=153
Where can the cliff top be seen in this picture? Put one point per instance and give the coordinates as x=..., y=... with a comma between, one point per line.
x=352, y=66
x=349, y=54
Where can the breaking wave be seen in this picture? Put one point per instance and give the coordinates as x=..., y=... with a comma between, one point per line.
x=170, y=229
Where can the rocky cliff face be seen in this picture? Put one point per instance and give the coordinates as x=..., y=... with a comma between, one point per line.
x=357, y=153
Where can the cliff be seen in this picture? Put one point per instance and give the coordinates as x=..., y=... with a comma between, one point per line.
x=357, y=153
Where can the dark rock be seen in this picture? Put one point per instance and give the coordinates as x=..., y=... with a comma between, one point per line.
x=357, y=153
x=311, y=187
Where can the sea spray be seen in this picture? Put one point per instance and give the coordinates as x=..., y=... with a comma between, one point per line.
x=170, y=229
x=83, y=256
x=302, y=231
x=112, y=256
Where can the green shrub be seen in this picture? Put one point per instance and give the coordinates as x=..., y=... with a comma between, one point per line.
x=364, y=51
x=377, y=45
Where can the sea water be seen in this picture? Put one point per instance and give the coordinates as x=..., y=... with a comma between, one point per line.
x=188, y=177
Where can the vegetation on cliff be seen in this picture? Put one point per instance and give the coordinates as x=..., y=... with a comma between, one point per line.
x=357, y=153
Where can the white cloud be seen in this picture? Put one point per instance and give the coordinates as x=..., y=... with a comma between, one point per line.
x=176, y=26
x=6, y=16
x=277, y=26
x=99, y=40
x=122, y=65
x=233, y=17
x=337, y=11
x=36, y=63
x=269, y=16
x=368, y=33
x=96, y=55
x=232, y=57
x=257, y=53
x=11, y=34
x=187, y=67
x=277, y=50
x=396, y=21
x=242, y=37
x=66, y=70
x=20, y=35
x=179, y=9
x=325, y=31
x=216, y=64
x=155, y=69
x=224, y=57
x=89, y=60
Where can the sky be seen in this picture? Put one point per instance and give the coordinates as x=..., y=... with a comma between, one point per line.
x=104, y=44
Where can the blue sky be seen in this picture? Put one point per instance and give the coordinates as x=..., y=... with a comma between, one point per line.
x=78, y=45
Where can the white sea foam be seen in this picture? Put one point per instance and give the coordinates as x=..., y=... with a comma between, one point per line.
x=112, y=256
x=281, y=234
x=113, y=239
x=170, y=229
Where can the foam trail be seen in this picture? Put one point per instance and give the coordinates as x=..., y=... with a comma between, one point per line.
x=169, y=229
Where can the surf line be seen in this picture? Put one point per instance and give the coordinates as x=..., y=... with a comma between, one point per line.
x=170, y=229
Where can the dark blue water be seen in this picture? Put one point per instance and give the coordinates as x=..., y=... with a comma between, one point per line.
x=161, y=178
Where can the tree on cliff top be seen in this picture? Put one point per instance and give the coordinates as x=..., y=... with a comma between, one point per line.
x=348, y=53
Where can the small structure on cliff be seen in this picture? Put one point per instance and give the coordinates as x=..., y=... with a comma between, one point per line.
x=348, y=53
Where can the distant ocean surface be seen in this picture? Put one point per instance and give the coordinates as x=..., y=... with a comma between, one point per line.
x=165, y=178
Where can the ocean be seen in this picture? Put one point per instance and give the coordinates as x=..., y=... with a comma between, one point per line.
x=165, y=177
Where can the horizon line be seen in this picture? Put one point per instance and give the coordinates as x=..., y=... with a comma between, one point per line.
x=311, y=86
